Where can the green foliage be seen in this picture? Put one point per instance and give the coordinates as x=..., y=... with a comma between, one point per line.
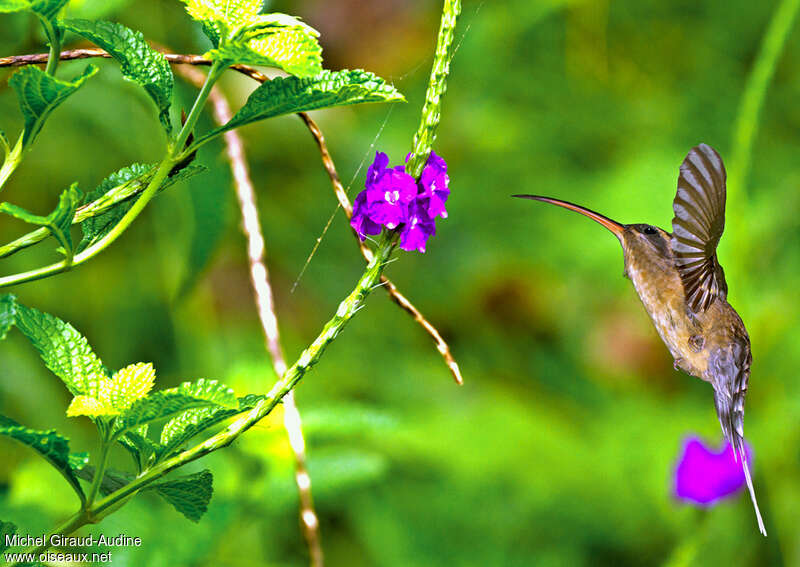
x=53, y=447
x=8, y=313
x=293, y=49
x=181, y=428
x=6, y=528
x=168, y=403
x=240, y=34
x=114, y=197
x=58, y=222
x=286, y=95
x=139, y=62
x=63, y=349
x=45, y=8
x=39, y=94
x=115, y=395
x=188, y=494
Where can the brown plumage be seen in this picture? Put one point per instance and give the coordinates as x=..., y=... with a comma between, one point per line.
x=683, y=289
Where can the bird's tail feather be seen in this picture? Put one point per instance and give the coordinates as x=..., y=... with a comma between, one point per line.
x=741, y=455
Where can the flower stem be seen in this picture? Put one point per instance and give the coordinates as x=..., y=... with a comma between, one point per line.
x=70, y=525
x=14, y=157
x=99, y=472
x=431, y=111
x=173, y=156
x=310, y=356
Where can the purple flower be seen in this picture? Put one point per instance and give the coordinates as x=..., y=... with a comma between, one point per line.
x=419, y=228
x=704, y=476
x=385, y=200
x=435, y=186
x=393, y=199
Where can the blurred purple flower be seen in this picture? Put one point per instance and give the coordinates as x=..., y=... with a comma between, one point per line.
x=392, y=198
x=704, y=475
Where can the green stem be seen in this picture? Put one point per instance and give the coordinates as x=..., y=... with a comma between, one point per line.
x=12, y=161
x=432, y=109
x=73, y=523
x=99, y=472
x=54, y=39
x=14, y=158
x=169, y=161
x=310, y=356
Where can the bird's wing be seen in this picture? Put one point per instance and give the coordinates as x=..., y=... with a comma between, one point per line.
x=697, y=226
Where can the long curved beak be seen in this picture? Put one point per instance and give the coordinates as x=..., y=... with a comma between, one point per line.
x=611, y=225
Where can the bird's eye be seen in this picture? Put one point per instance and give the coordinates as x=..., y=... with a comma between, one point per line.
x=650, y=230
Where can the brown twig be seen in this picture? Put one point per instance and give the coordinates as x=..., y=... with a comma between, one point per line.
x=327, y=160
x=259, y=276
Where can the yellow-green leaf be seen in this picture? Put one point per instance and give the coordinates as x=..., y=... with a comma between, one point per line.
x=89, y=406
x=130, y=384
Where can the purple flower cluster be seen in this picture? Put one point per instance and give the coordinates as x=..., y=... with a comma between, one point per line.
x=704, y=476
x=394, y=199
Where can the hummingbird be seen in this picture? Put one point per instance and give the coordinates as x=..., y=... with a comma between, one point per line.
x=682, y=286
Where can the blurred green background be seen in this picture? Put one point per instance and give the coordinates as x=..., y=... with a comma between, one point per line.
x=560, y=447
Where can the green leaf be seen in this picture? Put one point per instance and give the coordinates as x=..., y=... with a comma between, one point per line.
x=44, y=8
x=58, y=222
x=115, y=197
x=189, y=494
x=63, y=349
x=240, y=34
x=140, y=63
x=77, y=461
x=49, y=444
x=141, y=447
x=39, y=94
x=293, y=49
x=181, y=428
x=285, y=95
x=112, y=479
x=221, y=17
x=8, y=313
x=6, y=529
x=165, y=404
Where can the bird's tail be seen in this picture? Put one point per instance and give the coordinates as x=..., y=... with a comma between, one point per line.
x=730, y=410
x=740, y=450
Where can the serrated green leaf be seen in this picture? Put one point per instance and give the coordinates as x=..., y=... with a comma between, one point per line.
x=166, y=404
x=211, y=390
x=77, y=461
x=240, y=34
x=141, y=447
x=139, y=62
x=63, y=349
x=117, y=394
x=58, y=222
x=49, y=444
x=181, y=428
x=293, y=50
x=286, y=95
x=131, y=383
x=189, y=494
x=114, y=196
x=220, y=17
x=6, y=529
x=39, y=94
x=8, y=313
